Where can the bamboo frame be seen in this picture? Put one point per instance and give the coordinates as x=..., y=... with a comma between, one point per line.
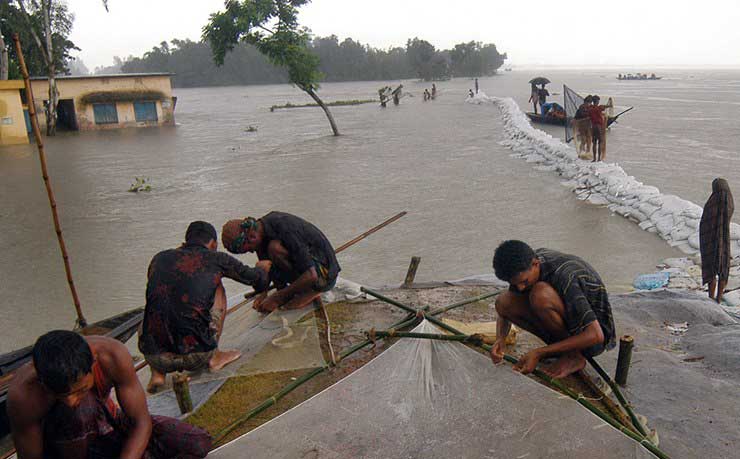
x=410, y=320
x=640, y=437
x=81, y=321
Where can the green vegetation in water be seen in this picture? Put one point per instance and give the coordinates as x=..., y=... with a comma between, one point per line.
x=336, y=103
x=251, y=128
x=140, y=184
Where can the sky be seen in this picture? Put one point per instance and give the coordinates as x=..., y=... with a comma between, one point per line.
x=568, y=33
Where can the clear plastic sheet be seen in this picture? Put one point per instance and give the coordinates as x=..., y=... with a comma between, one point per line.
x=280, y=341
x=429, y=399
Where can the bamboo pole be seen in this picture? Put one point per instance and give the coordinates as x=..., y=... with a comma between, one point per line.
x=411, y=273
x=471, y=339
x=346, y=245
x=641, y=437
x=623, y=360
x=81, y=321
x=439, y=311
x=618, y=393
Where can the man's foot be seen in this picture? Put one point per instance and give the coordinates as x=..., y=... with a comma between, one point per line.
x=565, y=365
x=156, y=381
x=222, y=358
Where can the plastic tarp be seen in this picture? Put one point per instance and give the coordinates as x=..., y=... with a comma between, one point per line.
x=429, y=399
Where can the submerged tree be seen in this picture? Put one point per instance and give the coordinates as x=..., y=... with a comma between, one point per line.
x=272, y=27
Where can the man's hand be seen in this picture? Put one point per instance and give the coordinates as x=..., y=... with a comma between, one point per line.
x=498, y=350
x=528, y=362
x=268, y=305
x=264, y=265
x=258, y=300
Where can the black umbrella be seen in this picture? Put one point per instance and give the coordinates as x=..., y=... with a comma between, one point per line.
x=539, y=80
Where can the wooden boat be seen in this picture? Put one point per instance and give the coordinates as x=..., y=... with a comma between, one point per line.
x=121, y=327
x=559, y=121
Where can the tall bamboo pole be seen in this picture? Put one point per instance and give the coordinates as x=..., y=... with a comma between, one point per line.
x=81, y=321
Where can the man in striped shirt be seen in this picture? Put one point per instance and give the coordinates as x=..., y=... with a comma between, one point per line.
x=557, y=297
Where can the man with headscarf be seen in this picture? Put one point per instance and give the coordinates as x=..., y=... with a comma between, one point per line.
x=303, y=259
x=714, y=238
x=186, y=304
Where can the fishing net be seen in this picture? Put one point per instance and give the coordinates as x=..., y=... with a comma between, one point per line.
x=279, y=341
x=572, y=101
x=430, y=399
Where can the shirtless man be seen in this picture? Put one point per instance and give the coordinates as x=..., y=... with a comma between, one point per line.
x=303, y=259
x=557, y=297
x=59, y=406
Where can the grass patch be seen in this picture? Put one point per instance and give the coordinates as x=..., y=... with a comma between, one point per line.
x=336, y=103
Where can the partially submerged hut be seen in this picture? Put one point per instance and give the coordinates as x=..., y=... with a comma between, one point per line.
x=109, y=101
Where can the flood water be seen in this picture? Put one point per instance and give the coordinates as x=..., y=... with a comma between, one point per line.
x=439, y=160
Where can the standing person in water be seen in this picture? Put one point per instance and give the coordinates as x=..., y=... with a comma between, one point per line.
x=476, y=86
x=60, y=406
x=303, y=260
x=186, y=305
x=557, y=297
x=714, y=238
x=434, y=91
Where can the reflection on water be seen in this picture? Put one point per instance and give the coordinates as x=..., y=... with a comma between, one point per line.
x=439, y=160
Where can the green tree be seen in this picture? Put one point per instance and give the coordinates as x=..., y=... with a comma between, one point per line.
x=285, y=44
x=49, y=24
x=420, y=54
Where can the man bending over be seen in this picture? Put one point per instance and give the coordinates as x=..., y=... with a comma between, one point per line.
x=186, y=305
x=59, y=406
x=303, y=259
x=557, y=297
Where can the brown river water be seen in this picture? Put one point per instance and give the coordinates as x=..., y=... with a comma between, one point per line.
x=439, y=160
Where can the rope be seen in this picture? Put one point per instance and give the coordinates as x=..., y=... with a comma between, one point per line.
x=328, y=332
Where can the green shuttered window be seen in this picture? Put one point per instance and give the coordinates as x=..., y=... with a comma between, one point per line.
x=105, y=113
x=145, y=111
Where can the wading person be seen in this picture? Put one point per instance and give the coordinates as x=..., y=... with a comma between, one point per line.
x=303, y=259
x=714, y=238
x=60, y=407
x=186, y=305
x=557, y=297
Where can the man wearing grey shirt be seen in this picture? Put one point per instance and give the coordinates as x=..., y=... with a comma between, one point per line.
x=557, y=297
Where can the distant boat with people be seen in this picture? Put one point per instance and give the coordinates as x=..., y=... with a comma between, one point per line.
x=638, y=76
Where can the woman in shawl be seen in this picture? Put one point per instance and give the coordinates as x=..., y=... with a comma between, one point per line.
x=714, y=238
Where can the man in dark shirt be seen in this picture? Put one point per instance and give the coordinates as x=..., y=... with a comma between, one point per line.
x=303, y=259
x=186, y=304
x=558, y=297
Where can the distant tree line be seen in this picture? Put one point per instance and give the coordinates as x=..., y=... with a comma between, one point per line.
x=349, y=60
